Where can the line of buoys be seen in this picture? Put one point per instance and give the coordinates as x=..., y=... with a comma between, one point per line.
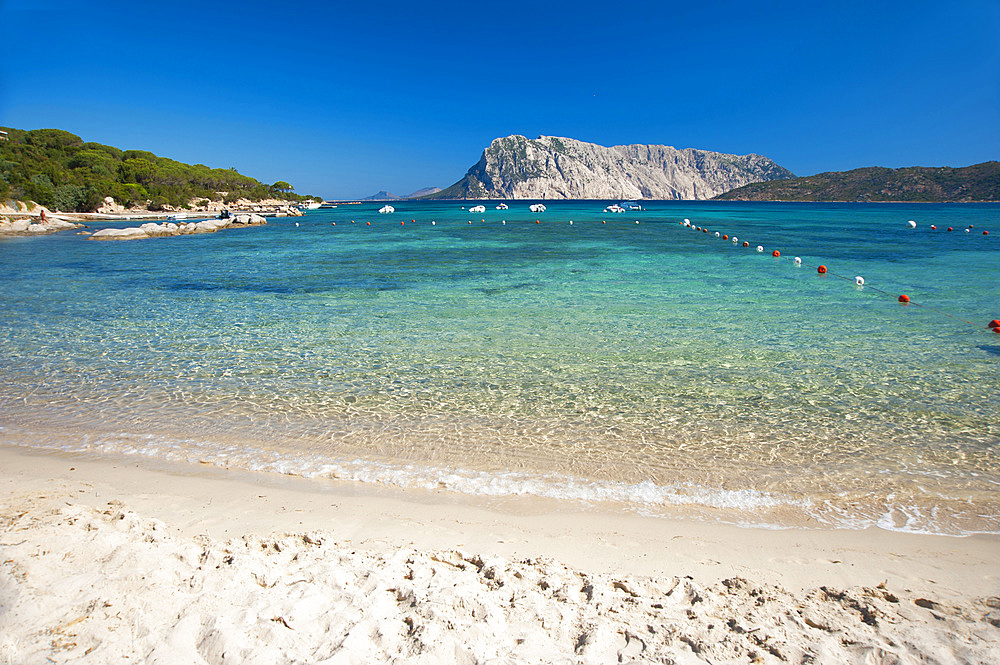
x=859, y=281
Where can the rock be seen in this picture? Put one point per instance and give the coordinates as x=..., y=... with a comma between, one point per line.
x=130, y=233
x=37, y=228
x=155, y=230
x=551, y=167
x=109, y=207
x=257, y=219
x=19, y=225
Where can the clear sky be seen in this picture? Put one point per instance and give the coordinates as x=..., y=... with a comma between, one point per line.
x=343, y=99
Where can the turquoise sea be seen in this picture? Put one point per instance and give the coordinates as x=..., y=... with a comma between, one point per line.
x=646, y=366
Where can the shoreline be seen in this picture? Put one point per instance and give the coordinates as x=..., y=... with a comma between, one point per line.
x=944, y=586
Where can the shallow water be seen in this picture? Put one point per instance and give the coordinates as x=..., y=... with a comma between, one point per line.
x=649, y=365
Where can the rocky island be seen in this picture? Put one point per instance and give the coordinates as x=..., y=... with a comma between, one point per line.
x=550, y=167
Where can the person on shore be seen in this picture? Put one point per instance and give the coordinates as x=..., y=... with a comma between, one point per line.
x=43, y=215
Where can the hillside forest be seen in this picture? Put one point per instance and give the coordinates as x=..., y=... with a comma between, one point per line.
x=60, y=171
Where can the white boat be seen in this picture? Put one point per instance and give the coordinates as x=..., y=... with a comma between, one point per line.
x=503, y=206
x=477, y=209
x=537, y=207
x=614, y=207
x=386, y=209
x=631, y=205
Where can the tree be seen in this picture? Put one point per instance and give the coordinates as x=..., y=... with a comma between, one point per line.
x=282, y=186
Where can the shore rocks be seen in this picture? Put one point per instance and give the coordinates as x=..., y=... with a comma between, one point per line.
x=34, y=226
x=169, y=229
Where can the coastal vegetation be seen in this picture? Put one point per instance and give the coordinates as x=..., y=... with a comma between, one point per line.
x=980, y=182
x=59, y=170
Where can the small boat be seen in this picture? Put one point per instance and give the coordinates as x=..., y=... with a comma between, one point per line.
x=537, y=207
x=386, y=209
x=503, y=206
x=630, y=205
x=477, y=209
x=614, y=207
x=225, y=214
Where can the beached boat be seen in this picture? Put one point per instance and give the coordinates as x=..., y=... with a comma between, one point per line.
x=477, y=209
x=537, y=207
x=614, y=207
x=503, y=206
x=386, y=209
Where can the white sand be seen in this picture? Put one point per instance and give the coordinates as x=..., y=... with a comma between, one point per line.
x=109, y=562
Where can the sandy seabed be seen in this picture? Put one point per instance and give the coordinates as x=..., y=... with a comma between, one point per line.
x=105, y=561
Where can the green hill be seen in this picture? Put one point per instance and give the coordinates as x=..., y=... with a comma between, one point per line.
x=59, y=170
x=980, y=182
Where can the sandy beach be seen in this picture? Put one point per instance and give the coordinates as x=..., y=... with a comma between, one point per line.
x=106, y=560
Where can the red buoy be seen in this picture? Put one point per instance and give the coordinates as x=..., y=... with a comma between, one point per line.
x=537, y=222
x=904, y=298
x=704, y=230
x=401, y=222
x=950, y=229
x=368, y=223
x=995, y=324
x=933, y=227
x=986, y=233
x=746, y=244
x=821, y=270
x=775, y=253
x=725, y=236
x=335, y=223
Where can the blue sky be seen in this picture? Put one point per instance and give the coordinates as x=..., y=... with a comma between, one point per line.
x=345, y=98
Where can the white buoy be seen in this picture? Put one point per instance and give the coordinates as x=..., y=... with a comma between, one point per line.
x=637, y=221
x=735, y=240
x=966, y=230
x=911, y=224
x=296, y=223
x=760, y=248
x=687, y=221
x=505, y=222
x=717, y=234
x=797, y=261
x=571, y=222
x=433, y=223
x=859, y=280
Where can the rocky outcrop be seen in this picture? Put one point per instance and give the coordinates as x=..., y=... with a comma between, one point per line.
x=110, y=207
x=551, y=167
x=167, y=229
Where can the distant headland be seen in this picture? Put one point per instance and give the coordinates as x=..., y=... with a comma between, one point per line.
x=977, y=183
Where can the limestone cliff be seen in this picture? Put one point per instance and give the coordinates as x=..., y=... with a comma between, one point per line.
x=550, y=167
